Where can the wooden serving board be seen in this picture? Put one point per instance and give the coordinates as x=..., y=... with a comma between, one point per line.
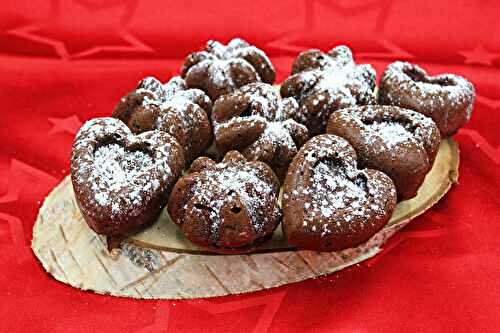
x=159, y=263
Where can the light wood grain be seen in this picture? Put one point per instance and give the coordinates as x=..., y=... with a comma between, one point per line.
x=159, y=263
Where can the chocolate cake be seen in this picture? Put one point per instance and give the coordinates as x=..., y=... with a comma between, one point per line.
x=328, y=203
x=220, y=69
x=256, y=122
x=399, y=142
x=447, y=98
x=121, y=180
x=325, y=82
x=227, y=207
x=173, y=108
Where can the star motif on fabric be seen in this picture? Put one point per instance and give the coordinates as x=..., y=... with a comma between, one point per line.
x=69, y=125
x=349, y=7
x=160, y=322
x=432, y=230
x=399, y=238
x=479, y=56
x=290, y=41
x=101, y=29
x=20, y=175
x=271, y=301
x=13, y=226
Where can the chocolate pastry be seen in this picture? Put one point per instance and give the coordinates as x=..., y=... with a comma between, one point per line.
x=325, y=82
x=229, y=207
x=448, y=99
x=220, y=69
x=399, y=142
x=254, y=121
x=121, y=180
x=328, y=203
x=173, y=108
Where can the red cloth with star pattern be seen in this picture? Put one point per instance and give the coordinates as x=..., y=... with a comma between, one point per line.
x=64, y=62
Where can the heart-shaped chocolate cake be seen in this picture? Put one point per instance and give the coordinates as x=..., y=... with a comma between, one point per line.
x=328, y=203
x=447, y=98
x=256, y=122
x=229, y=207
x=399, y=142
x=122, y=180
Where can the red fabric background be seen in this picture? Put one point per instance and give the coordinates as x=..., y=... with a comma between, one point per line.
x=63, y=62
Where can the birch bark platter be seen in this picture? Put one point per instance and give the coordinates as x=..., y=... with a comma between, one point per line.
x=159, y=263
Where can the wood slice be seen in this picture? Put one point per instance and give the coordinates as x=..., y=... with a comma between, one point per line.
x=159, y=263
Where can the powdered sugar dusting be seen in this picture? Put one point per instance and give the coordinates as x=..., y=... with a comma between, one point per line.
x=182, y=110
x=333, y=189
x=277, y=132
x=386, y=127
x=215, y=189
x=219, y=64
x=115, y=170
x=336, y=193
x=257, y=108
x=435, y=90
x=391, y=133
x=337, y=83
x=120, y=172
x=173, y=95
x=277, y=135
x=408, y=85
x=218, y=71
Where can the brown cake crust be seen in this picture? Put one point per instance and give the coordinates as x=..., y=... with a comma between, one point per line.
x=325, y=82
x=399, y=142
x=328, y=203
x=220, y=69
x=227, y=207
x=173, y=108
x=256, y=122
x=121, y=180
x=447, y=98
